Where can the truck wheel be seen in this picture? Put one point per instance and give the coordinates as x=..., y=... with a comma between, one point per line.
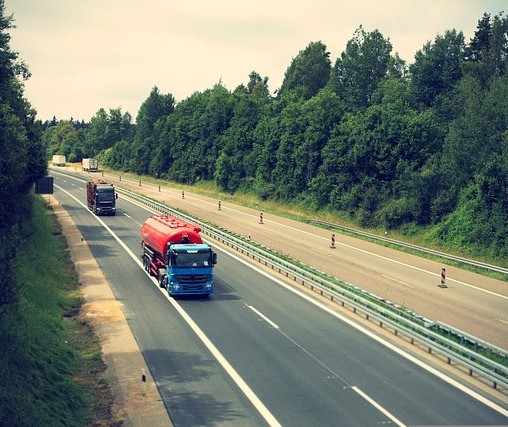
x=163, y=281
x=146, y=264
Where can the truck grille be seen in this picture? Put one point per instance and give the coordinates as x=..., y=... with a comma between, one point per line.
x=192, y=279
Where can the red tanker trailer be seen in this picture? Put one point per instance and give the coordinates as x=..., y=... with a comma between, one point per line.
x=174, y=252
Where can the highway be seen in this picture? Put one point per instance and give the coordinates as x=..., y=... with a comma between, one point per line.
x=259, y=352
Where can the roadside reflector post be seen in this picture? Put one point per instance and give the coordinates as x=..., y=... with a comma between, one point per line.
x=143, y=381
x=261, y=218
x=140, y=183
x=442, y=284
x=332, y=244
x=183, y=194
x=159, y=188
x=220, y=205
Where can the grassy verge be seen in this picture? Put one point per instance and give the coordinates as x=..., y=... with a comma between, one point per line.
x=50, y=361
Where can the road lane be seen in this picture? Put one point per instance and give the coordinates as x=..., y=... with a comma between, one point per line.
x=285, y=372
x=361, y=263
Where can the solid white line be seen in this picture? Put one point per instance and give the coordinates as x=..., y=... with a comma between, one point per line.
x=266, y=319
x=378, y=406
x=256, y=402
x=375, y=337
x=380, y=340
x=373, y=254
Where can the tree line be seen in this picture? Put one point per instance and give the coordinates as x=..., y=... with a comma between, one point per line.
x=22, y=159
x=390, y=144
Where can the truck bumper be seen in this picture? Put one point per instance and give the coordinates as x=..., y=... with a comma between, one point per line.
x=176, y=289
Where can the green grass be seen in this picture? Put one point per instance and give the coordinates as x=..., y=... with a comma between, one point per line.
x=49, y=357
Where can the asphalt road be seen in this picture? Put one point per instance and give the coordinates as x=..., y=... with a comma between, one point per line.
x=258, y=352
x=473, y=303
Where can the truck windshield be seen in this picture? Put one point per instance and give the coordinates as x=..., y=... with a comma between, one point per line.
x=186, y=260
x=106, y=194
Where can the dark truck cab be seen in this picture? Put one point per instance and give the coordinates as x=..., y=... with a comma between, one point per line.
x=101, y=197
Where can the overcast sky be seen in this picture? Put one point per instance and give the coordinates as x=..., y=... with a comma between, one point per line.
x=91, y=54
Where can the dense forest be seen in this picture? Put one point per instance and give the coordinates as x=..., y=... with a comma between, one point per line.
x=22, y=159
x=392, y=145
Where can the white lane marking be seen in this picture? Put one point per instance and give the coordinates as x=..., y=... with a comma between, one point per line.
x=380, y=340
x=450, y=279
x=503, y=321
x=378, y=406
x=242, y=385
x=398, y=281
x=367, y=332
x=266, y=319
x=134, y=221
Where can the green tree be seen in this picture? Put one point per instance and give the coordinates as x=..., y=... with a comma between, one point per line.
x=236, y=164
x=22, y=160
x=361, y=67
x=156, y=107
x=487, y=52
x=436, y=69
x=309, y=71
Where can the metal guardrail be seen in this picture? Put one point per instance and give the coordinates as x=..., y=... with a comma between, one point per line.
x=411, y=246
x=401, y=321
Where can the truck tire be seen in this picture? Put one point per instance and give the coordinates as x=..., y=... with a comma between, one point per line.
x=162, y=278
x=146, y=264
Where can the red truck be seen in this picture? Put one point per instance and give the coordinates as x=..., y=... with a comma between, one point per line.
x=174, y=252
x=101, y=197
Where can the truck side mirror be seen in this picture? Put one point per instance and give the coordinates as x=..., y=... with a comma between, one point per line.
x=214, y=258
x=116, y=195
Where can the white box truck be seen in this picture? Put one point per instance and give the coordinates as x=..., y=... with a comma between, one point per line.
x=58, y=160
x=90, y=165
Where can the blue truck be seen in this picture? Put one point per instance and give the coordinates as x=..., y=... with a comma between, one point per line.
x=174, y=253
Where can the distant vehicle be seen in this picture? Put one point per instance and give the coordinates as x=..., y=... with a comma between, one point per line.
x=174, y=252
x=101, y=197
x=90, y=165
x=58, y=160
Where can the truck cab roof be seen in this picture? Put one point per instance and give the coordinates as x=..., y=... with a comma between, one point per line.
x=190, y=248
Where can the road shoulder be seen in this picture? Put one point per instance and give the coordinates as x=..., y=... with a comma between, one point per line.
x=135, y=403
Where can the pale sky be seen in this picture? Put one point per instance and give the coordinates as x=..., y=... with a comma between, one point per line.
x=90, y=54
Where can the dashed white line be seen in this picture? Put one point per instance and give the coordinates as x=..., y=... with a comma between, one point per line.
x=266, y=319
x=242, y=385
x=378, y=406
x=398, y=281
